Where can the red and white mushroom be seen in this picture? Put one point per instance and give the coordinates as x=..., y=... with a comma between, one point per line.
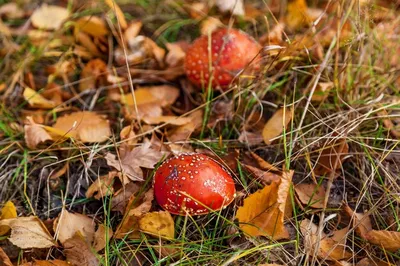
x=231, y=51
x=192, y=184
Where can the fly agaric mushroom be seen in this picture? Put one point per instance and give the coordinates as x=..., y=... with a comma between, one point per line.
x=231, y=51
x=185, y=184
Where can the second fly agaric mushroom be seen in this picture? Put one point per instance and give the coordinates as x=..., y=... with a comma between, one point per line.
x=231, y=51
x=193, y=184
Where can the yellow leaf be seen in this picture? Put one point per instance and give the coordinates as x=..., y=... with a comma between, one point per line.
x=34, y=99
x=159, y=224
x=49, y=17
x=7, y=212
x=299, y=15
x=169, y=119
x=263, y=212
x=28, y=232
x=311, y=195
x=118, y=13
x=46, y=263
x=275, y=125
x=85, y=126
x=92, y=25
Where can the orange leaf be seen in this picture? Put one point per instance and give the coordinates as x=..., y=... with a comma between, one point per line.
x=5, y=260
x=311, y=195
x=262, y=213
x=389, y=240
x=118, y=13
x=331, y=157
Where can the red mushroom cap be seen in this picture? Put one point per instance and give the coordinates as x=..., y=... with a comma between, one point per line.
x=183, y=184
x=231, y=51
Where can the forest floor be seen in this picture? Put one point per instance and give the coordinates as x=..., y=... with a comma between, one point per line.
x=96, y=95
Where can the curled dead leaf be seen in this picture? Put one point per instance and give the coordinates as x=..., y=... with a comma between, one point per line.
x=35, y=99
x=102, y=186
x=78, y=251
x=331, y=156
x=93, y=75
x=122, y=196
x=311, y=195
x=35, y=134
x=4, y=259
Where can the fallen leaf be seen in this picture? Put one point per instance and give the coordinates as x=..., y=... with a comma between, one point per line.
x=159, y=224
x=67, y=224
x=101, y=237
x=35, y=134
x=361, y=221
x=375, y=262
x=34, y=99
x=28, y=232
x=389, y=240
x=7, y=212
x=92, y=25
x=184, y=132
x=49, y=17
x=85, y=126
x=131, y=161
x=149, y=100
x=132, y=31
x=311, y=195
x=135, y=209
x=262, y=213
x=388, y=124
x=46, y=263
x=263, y=164
x=11, y=11
x=236, y=7
x=322, y=91
x=102, y=186
x=172, y=120
x=275, y=125
x=329, y=248
x=122, y=196
x=78, y=252
x=266, y=177
x=274, y=36
x=176, y=53
x=88, y=43
x=4, y=259
x=209, y=25
x=118, y=13
x=299, y=15
x=331, y=157
x=93, y=75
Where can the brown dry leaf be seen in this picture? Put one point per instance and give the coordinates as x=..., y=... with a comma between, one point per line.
x=128, y=135
x=85, y=126
x=266, y=177
x=135, y=209
x=275, y=125
x=122, y=196
x=88, y=43
x=133, y=30
x=4, y=259
x=169, y=119
x=361, y=222
x=93, y=75
x=322, y=91
x=35, y=99
x=329, y=248
x=11, y=11
x=67, y=224
x=388, y=124
x=331, y=157
x=118, y=13
x=78, y=251
x=311, y=195
x=7, y=212
x=46, y=263
x=389, y=240
x=49, y=17
x=102, y=186
x=235, y=7
x=262, y=213
x=35, y=134
x=92, y=25
x=131, y=161
x=159, y=224
x=149, y=101
x=176, y=53
x=28, y=232
x=274, y=36
x=209, y=25
x=263, y=164
x=101, y=237
x=184, y=132
x=375, y=262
